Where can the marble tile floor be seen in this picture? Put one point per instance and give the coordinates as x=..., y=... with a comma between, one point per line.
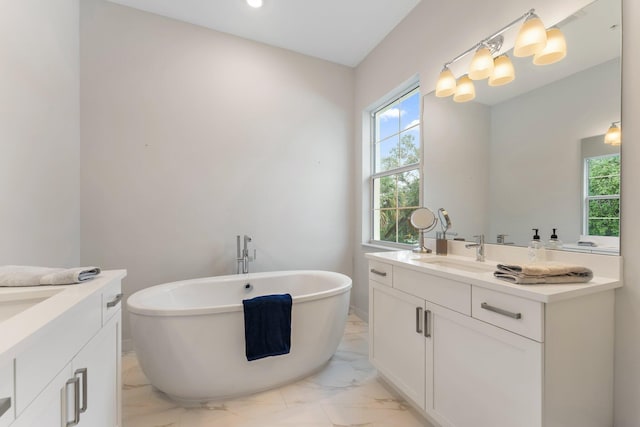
x=345, y=393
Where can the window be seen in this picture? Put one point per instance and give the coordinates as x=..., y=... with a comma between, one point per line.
x=396, y=159
x=602, y=196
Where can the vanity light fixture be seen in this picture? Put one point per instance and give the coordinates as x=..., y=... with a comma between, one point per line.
x=255, y=3
x=532, y=39
x=554, y=51
x=613, y=135
x=465, y=90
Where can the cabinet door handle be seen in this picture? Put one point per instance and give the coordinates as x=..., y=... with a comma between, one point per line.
x=5, y=404
x=115, y=301
x=85, y=381
x=501, y=311
x=418, y=322
x=427, y=323
x=75, y=381
x=379, y=273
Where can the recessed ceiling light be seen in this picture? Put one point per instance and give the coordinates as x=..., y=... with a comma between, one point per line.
x=255, y=3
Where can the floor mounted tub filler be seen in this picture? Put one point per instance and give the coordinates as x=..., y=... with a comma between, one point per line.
x=189, y=335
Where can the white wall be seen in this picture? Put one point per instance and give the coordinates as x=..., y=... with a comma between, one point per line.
x=39, y=133
x=426, y=39
x=536, y=144
x=190, y=136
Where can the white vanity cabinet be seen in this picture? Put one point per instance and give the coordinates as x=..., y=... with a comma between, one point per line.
x=70, y=373
x=468, y=356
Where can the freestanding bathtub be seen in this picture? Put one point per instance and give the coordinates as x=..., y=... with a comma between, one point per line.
x=189, y=335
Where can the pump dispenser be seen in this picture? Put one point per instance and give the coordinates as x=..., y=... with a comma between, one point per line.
x=536, y=249
x=554, y=242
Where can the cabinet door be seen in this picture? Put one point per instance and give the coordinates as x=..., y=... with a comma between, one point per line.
x=49, y=408
x=397, y=343
x=97, y=366
x=483, y=376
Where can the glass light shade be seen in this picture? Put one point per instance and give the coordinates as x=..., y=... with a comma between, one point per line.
x=554, y=51
x=532, y=37
x=465, y=90
x=481, y=65
x=613, y=135
x=503, y=71
x=446, y=85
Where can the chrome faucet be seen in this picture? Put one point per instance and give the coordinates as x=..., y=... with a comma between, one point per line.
x=479, y=245
x=242, y=256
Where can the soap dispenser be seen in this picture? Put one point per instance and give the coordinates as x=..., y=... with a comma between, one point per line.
x=536, y=249
x=554, y=242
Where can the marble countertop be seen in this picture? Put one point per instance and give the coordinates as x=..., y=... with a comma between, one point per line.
x=485, y=279
x=17, y=331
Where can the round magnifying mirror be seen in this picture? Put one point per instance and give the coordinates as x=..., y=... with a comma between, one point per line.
x=422, y=218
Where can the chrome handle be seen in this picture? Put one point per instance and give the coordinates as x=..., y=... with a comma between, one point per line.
x=379, y=273
x=5, y=404
x=427, y=323
x=501, y=311
x=114, y=301
x=85, y=380
x=418, y=323
x=76, y=400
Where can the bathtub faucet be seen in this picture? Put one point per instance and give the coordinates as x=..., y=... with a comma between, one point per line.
x=242, y=256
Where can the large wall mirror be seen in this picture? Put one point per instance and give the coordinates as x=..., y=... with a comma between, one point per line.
x=526, y=155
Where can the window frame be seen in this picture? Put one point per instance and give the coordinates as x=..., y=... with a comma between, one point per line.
x=373, y=175
x=586, y=198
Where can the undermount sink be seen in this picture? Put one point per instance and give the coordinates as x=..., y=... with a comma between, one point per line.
x=15, y=303
x=469, y=266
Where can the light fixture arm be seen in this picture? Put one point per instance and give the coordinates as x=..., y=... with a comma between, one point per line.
x=486, y=40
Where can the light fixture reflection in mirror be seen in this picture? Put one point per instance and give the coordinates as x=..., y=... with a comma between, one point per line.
x=614, y=135
x=446, y=83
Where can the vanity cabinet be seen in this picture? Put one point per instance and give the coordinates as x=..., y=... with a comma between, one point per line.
x=468, y=356
x=71, y=375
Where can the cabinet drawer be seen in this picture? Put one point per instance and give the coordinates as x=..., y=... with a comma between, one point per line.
x=381, y=272
x=7, y=399
x=40, y=363
x=522, y=316
x=111, y=300
x=447, y=293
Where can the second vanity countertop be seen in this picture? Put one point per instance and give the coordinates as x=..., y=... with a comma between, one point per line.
x=19, y=330
x=431, y=264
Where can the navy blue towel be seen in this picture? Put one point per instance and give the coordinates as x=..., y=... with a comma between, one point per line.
x=267, y=326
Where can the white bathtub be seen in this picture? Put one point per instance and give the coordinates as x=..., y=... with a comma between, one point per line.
x=189, y=335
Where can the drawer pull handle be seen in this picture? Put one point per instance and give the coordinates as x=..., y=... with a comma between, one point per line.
x=418, y=322
x=85, y=380
x=379, y=273
x=115, y=301
x=427, y=323
x=501, y=311
x=76, y=400
x=5, y=404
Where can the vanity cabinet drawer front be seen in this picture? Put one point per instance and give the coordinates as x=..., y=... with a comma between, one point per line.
x=39, y=363
x=522, y=316
x=7, y=399
x=381, y=272
x=447, y=293
x=112, y=300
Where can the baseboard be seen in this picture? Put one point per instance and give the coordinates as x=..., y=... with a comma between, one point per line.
x=127, y=345
x=363, y=315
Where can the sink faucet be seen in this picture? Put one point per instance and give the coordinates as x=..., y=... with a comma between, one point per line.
x=242, y=256
x=479, y=245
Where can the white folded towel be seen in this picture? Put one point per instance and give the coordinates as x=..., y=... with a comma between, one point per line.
x=24, y=275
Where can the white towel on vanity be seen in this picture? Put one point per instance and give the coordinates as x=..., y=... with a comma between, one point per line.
x=24, y=275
